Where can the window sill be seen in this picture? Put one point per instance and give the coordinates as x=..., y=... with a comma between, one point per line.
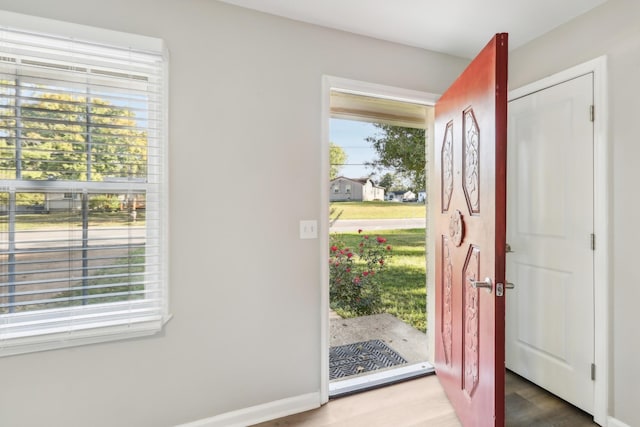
x=84, y=337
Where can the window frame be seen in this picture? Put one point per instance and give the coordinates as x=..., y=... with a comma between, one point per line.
x=115, y=329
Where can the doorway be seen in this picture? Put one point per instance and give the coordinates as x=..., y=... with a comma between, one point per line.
x=352, y=100
x=556, y=318
x=601, y=216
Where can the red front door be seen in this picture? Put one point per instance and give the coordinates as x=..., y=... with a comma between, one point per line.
x=471, y=141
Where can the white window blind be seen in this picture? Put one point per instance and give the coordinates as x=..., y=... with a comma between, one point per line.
x=82, y=192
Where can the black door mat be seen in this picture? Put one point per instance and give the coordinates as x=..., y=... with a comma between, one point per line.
x=353, y=359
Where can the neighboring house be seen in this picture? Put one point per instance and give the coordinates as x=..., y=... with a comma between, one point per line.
x=56, y=202
x=63, y=201
x=401, y=196
x=52, y=202
x=409, y=196
x=394, y=196
x=358, y=189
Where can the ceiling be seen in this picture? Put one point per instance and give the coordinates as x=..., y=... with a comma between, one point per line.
x=456, y=27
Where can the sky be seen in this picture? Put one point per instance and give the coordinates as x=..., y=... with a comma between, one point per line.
x=350, y=135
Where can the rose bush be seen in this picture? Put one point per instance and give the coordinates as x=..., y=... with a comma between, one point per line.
x=356, y=274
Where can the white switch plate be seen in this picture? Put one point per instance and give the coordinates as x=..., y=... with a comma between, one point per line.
x=309, y=229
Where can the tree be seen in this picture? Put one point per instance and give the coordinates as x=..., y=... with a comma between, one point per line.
x=337, y=159
x=401, y=150
x=72, y=137
x=388, y=182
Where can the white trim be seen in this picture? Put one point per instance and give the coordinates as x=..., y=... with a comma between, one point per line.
x=331, y=83
x=612, y=422
x=375, y=90
x=260, y=413
x=602, y=227
x=325, y=114
x=165, y=189
x=103, y=335
x=80, y=32
x=430, y=240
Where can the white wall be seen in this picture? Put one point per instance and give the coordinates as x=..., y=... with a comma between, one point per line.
x=612, y=29
x=245, y=109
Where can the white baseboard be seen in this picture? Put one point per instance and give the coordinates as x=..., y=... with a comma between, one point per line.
x=260, y=413
x=612, y=422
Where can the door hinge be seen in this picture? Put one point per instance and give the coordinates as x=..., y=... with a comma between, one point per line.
x=593, y=242
x=592, y=113
x=593, y=372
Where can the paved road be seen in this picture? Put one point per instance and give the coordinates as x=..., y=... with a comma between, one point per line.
x=121, y=235
x=60, y=238
x=377, y=224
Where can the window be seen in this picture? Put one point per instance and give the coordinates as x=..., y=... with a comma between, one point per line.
x=336, y=188
x=347, y=188
x=75, y=196
x=82, y=192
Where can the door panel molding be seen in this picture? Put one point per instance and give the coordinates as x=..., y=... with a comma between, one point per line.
x=473, y=230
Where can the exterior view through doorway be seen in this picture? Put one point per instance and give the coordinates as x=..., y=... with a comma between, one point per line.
x=376, y=244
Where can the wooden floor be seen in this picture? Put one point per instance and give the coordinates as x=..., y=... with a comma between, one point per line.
x=422, y=402
x=529, y=405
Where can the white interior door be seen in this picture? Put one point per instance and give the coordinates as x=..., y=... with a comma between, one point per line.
x=550, y=221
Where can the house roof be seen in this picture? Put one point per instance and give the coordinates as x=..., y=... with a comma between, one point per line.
x=361, y=181
x=358, y=180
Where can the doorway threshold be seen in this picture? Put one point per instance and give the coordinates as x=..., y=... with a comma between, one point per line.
x=379, y=379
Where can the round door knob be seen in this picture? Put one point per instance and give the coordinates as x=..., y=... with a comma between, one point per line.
x=486, y=284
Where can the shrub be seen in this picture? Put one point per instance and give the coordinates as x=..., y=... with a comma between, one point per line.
x=355, y=275
x=104, y=203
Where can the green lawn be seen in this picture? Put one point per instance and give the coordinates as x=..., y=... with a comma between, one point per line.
x=65, y=219
x=378, y=210
x=404, y=286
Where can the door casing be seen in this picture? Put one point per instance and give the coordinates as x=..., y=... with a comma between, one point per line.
x=330, y=83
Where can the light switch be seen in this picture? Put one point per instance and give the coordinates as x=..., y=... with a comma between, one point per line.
x=309, y=229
